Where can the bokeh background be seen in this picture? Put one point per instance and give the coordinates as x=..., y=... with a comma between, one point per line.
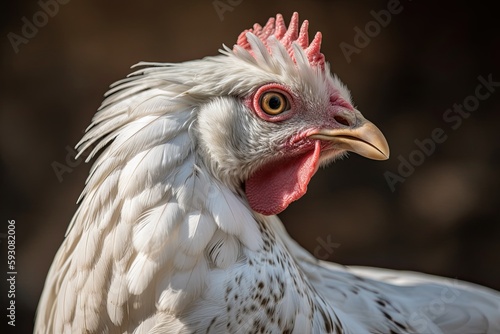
x=444, y=219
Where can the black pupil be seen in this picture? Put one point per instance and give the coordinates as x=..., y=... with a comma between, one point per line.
x=274, y=102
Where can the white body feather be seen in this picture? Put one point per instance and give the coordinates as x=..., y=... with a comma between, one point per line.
x=162, y=243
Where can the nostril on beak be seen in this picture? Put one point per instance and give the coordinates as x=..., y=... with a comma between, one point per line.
x=341, y=120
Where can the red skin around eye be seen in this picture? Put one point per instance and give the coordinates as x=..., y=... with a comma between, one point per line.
x=254, y=102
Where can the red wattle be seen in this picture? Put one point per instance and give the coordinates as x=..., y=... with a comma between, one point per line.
x=272, y=188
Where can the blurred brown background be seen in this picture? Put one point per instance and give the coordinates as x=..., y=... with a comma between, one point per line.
x=444, y=219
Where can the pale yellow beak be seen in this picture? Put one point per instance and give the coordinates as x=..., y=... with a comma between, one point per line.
x=365, y=139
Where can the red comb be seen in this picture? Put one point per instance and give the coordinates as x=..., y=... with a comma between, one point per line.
x=286, y=36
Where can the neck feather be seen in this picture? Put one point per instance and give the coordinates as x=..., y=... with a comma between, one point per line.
x=151, y=204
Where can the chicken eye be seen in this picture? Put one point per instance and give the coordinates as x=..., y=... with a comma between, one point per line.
x=273, y=103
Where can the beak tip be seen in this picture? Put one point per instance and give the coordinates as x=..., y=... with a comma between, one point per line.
x=385, y=152
x=373, y=137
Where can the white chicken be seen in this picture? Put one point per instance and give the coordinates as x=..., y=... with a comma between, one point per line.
x=176, y=230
